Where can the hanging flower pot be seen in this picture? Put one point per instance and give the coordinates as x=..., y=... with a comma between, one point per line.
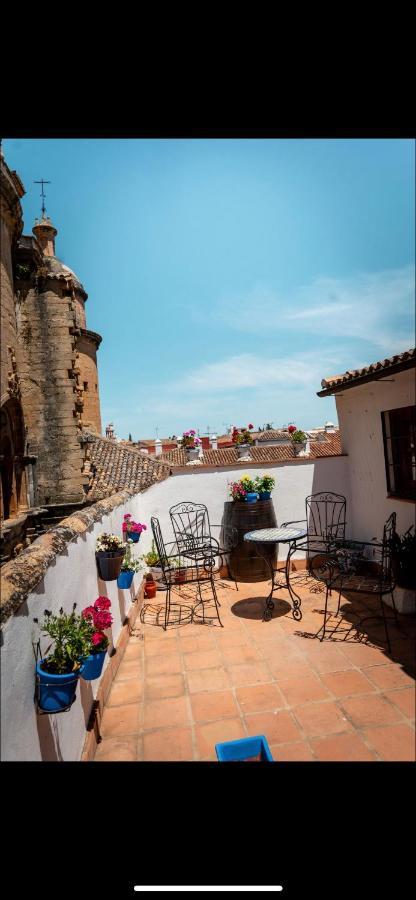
x=134, y=536
x=125, y=579
x=93, y=666
x=131, y=529
x=55, y=692
x=109, y=555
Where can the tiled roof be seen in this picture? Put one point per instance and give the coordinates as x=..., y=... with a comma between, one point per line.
x=114, y=467
x=278, y=453
x=272, y=435
x=381, y=369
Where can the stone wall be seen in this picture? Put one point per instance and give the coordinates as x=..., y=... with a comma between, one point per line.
x=86, y=345
x=47, y=371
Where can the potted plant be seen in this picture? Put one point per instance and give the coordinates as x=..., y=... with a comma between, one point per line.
x=191, y=444
x=264, y=485
x=299, y=439
x=250, y=489
x=242, y=439
x=58, y=672
x=131, y=529
x=403, y=559
x=129, y=567
x=180, y=574
x=109, y=555
x=152, y=561
x=150, y=587
x=237, y=491
x=98, y=618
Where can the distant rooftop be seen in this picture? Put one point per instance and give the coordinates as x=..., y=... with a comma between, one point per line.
x=274, y=454
x=373, y=372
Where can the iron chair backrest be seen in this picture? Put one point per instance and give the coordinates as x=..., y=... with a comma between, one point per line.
x=160, y=545
x=190, y=522
x=389, y=532
x=325, y=515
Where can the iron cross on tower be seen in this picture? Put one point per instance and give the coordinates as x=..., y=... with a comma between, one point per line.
x=43, y=195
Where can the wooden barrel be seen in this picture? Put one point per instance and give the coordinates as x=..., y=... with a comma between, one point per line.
x=244, y=564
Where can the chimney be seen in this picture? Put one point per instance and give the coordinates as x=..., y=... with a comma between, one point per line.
x=214, y=445
x=329, y=427
x=158, y=447
x=45, y=233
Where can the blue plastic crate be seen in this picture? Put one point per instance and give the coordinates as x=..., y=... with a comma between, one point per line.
x=244, y=749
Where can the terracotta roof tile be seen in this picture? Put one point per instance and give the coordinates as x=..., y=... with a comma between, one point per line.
x=397, y=363
x=114, y=467
x=277, y=453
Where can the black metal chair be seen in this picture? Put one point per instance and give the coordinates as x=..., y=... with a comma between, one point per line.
x=194, y=538
x=325, y=521
x=170, y=575
x=348, y=563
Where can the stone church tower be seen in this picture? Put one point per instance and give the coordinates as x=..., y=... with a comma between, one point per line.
x=49, y=388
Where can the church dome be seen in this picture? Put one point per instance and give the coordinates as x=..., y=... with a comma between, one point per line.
x=58, y=268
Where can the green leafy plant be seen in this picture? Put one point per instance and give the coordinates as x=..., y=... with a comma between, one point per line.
x=299, y=437
x=264, y=483
x=248, y=484
x=151, y=558
x=130, y=564
x=71, y=634
x=108, y=543
x=403, y=554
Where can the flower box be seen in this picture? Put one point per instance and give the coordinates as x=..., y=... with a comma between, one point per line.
x=252, y=749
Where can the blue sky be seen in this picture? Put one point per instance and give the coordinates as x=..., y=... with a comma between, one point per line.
x=228, y=277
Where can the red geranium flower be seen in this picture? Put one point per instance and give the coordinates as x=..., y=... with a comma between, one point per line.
x=251, y=426
x=102, y=603
x=97, y=638
x=291, y=429
x=88, y=612
x=102, y=619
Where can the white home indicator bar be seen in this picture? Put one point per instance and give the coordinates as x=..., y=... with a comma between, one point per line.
x=204, y=887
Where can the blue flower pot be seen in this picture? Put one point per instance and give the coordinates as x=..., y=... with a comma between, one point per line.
x=133, y=536
x=244, y=749
x=56, y=692
x=251, y=498
x=93, y=666
x=125, y=579
x=265, y=495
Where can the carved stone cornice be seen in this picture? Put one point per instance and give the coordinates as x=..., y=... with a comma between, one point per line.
x=11, y=192
x=91, y=336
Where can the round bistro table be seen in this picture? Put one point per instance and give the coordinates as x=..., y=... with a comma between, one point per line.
x=280, y=579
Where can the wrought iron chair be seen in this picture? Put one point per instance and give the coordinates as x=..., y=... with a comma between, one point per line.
x=169, y=579
x=194, y=538
x=348, y=562
x=325, y=521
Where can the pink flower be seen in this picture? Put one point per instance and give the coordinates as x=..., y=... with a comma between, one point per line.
x=97, y=638
x=251, y=426
x=102, y=619
x=127, y=516
x=102, y=603
x=88, y=612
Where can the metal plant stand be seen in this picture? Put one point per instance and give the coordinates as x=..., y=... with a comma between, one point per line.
x=280, y=579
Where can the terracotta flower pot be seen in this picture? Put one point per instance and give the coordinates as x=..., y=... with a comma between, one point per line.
x=150, y=589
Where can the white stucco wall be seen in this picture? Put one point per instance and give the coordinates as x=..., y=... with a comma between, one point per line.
x=73, y=577
x=359, y=414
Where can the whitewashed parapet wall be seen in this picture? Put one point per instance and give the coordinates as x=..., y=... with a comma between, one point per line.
x=69, y=575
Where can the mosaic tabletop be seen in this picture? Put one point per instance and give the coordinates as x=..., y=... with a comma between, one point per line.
x=275, y=535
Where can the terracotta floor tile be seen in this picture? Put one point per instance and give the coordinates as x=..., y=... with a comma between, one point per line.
x=279, y=650
x=126, y=692
x=249, y=673
x=321, y=718
x=118, y=721
x=301, y=690
x=326, y=658
x=394, y=743
x=342, y=748
x=157, y=633
x=296, y=752
x=164, y=665
x=131, y=668
x=160, y=648
x=133, y=651
x=164, y=686
x=199, y=642
x=202, y=659
x=343, y=684
x=169, y=745
x=362, y=655
x=389, y=677
x=208, y=680
x=215, y=733
x=369, y=710
x=164, y=713
x=277, y=727
x=404, y=699
x=214, y=705
x=260, y=697
x=245, y=653
x=295, y=667
x=117, y=750
x=228, y=639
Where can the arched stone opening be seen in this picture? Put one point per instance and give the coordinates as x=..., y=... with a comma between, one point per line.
x=13, y=481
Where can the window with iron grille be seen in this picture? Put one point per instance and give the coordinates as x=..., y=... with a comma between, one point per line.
x=399, y=435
